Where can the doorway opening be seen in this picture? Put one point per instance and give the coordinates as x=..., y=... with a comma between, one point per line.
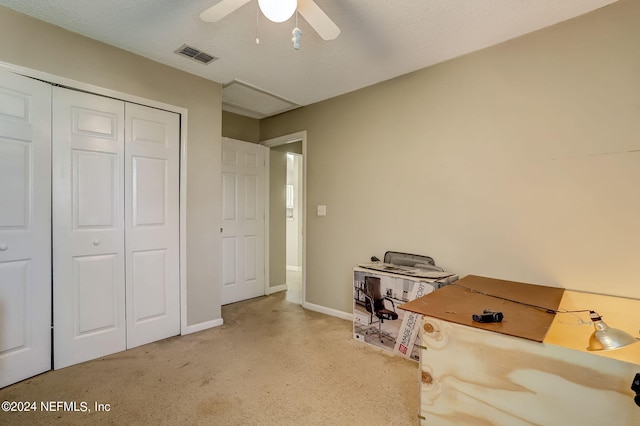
x=287, y=219
x=293, y=233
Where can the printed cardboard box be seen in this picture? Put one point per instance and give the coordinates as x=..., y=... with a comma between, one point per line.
x=375, y=292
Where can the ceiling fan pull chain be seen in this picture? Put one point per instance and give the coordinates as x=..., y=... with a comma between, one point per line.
x=296, y=33
x=257, y=20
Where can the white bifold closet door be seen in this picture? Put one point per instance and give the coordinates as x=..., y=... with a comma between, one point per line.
x=152, y=224
x=115, y=222
x=88, y=227
x=25, y=228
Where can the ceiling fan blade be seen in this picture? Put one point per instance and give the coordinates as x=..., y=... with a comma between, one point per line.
x=318, y=19
x=221, y=9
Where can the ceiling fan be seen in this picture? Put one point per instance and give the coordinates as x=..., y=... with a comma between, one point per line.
x=279, y=11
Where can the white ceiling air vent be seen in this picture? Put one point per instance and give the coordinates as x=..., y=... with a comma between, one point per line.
x=195, y=54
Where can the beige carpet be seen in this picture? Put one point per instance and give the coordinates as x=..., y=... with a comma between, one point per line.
x=271, y=363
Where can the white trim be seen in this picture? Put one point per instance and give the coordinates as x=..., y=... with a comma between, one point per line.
x=73, y=84
x=328, y=311
x=203, y=326
x=267, y=218
x=282, y=140
x=276, y=289
x=294, y=268
x=184, y=324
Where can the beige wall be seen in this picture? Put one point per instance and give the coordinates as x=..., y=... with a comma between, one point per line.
x=239, y=127
x=33, y=44
x=520, y=162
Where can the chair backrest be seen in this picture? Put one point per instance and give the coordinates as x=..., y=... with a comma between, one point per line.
x=373, y=289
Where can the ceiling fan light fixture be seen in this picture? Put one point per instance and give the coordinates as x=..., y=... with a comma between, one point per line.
x=278, y=10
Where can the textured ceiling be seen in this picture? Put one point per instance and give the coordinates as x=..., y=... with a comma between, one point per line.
x=379, y=40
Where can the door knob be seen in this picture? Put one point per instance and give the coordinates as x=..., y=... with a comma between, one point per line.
x=3, y=246
x=96, y=242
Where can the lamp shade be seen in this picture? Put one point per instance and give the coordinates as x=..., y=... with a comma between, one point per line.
x=278, y=10
x=606, y=338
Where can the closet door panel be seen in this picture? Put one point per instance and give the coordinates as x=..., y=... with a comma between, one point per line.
x=149, y=191
x=150, y=286
x=15, y=167
x=25, y=228
x=95, y=199
x=152, y=152
x=95, y=289
x=88, y=233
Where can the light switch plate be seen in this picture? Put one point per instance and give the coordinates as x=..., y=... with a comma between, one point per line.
x=322, y=210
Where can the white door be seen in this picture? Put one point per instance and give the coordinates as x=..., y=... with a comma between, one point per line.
x=243, y=211
x=88, y=227
x=25, y=228
x=152, y=151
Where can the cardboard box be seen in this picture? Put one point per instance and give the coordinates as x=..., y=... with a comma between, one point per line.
x=397, y=332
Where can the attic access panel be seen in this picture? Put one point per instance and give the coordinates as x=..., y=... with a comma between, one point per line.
x=244, y=99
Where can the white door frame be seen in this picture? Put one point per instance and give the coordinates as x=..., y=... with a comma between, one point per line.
x=73, y=84
x=283, y=140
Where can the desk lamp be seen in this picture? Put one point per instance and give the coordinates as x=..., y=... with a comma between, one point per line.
x=606, y=338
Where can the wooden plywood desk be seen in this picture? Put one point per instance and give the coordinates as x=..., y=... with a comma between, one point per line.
x=473, y=374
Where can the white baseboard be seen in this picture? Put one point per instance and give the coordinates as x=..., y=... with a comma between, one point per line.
x=294, y=268
x=328, y=311
x=203, y=326
x=275, y=289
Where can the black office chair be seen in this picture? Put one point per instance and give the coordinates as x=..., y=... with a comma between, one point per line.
x=375, y=304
